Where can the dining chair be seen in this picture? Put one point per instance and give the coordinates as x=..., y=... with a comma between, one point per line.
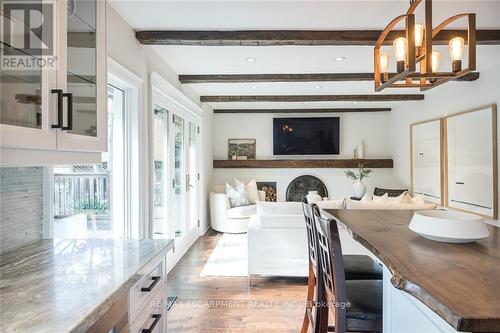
x=358, y=267
x=356, y=305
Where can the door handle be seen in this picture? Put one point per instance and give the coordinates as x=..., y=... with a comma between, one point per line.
x=188, y=183
x=69, y=97
x=59, y=93
x=459, y=183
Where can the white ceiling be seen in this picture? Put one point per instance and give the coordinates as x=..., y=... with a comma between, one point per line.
x=261, y=15
x=293, y=15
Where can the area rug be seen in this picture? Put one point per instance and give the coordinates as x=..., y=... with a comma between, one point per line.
x=229, y=258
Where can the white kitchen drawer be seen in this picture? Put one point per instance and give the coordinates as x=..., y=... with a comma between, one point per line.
x=153, y=318
x=142, y=292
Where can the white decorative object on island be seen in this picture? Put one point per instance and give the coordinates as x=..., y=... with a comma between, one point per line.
x=313, y=196
x=449, y=226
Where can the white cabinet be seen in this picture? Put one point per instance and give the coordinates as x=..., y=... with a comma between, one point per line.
x=147, y=300
x=63, y=108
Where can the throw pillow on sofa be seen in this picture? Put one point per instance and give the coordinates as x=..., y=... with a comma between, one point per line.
x=387, y=199
x=237, y=195
x=251, y=188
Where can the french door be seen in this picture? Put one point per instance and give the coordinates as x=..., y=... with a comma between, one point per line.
x=175, y=169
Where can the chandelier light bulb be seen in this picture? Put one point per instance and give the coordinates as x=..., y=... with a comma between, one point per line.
x=419, y=35
x=384, y=59
x=456, y=47
x=435, y=58
x=400, y=46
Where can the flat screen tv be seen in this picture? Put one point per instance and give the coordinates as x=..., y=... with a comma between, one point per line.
x=306, y=136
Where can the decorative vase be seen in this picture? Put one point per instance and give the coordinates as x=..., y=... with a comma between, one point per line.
x=359, y=189
x=313, y=196
x=360, y=151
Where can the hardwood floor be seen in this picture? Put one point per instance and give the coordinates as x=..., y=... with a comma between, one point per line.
x=231, y=304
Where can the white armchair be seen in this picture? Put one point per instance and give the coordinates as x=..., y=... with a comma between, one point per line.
x=231, y=220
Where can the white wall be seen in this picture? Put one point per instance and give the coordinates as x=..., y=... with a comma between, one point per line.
x=141, y=60
x=371, y=128
x=448, y=99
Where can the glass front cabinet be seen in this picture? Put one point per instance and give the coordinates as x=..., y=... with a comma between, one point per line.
x=54, y=97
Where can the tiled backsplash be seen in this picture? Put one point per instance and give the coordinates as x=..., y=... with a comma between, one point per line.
x=21, y=206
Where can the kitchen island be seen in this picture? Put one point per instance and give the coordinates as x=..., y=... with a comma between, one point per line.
x=430, y=286
x=83, y=285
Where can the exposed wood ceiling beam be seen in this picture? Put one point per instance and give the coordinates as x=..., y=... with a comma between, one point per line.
x=332, y=110
x=242, y=78
x=313, y=98
x=294, y=37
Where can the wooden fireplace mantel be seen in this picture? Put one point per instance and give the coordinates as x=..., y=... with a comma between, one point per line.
x=300, y=163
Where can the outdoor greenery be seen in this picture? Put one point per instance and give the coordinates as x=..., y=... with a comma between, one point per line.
x=90, y=205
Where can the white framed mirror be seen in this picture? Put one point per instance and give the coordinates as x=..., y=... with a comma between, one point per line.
x=472, y=167
x=426, y=160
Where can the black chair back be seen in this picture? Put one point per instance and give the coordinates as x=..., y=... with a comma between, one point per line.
x=331, y=269
x=391, y=192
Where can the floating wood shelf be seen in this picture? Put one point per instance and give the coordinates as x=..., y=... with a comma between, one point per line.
x=317, y=163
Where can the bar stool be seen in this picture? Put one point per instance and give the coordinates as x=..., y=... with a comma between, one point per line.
x=356, y=305
x=358, y=267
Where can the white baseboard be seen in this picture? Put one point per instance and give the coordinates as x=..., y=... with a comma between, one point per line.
x=187, y=248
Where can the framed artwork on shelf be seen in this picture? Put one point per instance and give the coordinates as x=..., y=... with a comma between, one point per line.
x=241, y=149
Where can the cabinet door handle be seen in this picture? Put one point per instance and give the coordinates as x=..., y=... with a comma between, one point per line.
x=59, y=93
x=155, y=279
x=459, y=183
x=69, y=96
x=156, y=318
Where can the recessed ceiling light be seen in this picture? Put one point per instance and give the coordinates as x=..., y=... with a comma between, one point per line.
x=354, y=102
x=340, y=58
x=306, y=102
x=317, y=87
x=255, y=87
x=251, y=59
x=256, y=103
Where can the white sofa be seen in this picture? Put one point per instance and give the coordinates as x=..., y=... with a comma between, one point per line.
x=231, y=220
x=277, y=240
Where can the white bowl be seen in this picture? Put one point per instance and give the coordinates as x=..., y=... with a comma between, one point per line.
x=449, y=226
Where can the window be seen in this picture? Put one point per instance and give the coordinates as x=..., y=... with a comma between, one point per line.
x=160, y=173
x=89, y=200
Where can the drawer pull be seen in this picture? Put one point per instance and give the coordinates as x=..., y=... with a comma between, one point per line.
x=156, y=318
x=155, y=279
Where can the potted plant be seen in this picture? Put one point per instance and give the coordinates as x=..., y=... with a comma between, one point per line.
x=234, y=153
x=357, y=177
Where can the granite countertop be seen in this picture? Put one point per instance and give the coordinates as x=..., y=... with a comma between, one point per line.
x=65, y=285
